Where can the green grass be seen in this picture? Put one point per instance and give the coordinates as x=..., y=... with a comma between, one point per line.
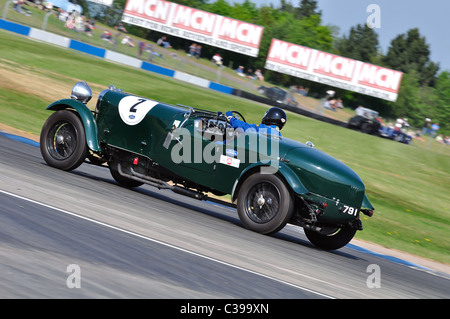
x=409, y=185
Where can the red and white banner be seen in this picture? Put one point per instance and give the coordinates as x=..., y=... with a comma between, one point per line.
x=333, y=70
x=193, y=24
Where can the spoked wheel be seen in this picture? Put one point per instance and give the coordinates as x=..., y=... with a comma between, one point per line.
x=63, y=141
x=264, y=203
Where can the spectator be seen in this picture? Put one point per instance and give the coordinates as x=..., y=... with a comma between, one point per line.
x=107, y=36
x=151, y=53
x=405, y=123
x=47, y=6
x=434, y=129
x=121, y=28
x=259, y=75
x=217, y=59
x=88, y=27
x=142, y=46
x=198, y=51
x=192, y=48
x=163, y=43
x=426, y=129
x=330, y=104
x=70, y=23
x=303, y=91
x=127, y=41
x=62, y=15
x=240, y=71
x=447, y=140
x=398, y=125
x=19, y=7
x=79, y=23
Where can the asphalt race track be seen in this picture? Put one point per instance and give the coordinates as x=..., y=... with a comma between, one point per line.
x=80, y=235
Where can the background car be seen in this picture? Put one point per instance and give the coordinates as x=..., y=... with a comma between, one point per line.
x=279, y=95
x=395, y=134
x=366, y=120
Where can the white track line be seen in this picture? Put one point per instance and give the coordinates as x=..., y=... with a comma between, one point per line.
x=163, y=243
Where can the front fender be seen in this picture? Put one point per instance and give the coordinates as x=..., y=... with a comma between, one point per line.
x=90, y=126
x=290, y=177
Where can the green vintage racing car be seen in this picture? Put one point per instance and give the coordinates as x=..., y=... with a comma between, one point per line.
x=272, y=180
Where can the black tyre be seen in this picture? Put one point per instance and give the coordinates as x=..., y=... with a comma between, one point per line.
x=122, y=180
x=366, y=128
x=264, y=203
x=63, y=140
x=333, y=240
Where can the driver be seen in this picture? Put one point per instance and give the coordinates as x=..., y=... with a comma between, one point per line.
x=272, y=121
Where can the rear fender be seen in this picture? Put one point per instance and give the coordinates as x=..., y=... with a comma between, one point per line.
x=366, y=203
x=292, y=179
x=90, y=126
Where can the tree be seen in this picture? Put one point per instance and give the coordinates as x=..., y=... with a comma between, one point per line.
x=309, y=32
x=410, y=52
x=306, y=9
x=442, y=113
x=286, y=6
x=361, y=44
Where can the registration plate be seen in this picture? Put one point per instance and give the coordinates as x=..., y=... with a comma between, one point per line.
x=350, y=210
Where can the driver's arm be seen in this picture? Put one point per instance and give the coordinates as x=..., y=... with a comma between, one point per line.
x=235, y=123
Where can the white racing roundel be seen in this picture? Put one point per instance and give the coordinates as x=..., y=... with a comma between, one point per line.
x=132, y=109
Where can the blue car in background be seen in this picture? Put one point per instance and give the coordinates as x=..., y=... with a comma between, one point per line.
x=395, y=134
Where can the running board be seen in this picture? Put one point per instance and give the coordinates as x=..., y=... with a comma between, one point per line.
x=160, y=184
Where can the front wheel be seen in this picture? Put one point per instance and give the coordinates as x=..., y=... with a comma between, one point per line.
x=63, y=140
x=332, y=240
x=264, y=203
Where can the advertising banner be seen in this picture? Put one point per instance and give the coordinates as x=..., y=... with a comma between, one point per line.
x=333, y=70
x=193, y=24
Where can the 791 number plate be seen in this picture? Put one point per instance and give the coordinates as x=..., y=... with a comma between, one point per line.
x=350, y=210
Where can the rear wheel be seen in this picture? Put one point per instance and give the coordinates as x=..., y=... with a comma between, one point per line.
x=264, y=203
x=63, y=140
x=122, y=180
x=366, y=128
x=332, y=239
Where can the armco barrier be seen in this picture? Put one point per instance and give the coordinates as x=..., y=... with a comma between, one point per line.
x=130, y=61
x=258, y=98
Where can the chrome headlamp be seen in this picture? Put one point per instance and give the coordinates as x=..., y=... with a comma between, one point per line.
x=81, y=92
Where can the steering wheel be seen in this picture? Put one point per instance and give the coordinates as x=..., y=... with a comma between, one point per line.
x=239, y=116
